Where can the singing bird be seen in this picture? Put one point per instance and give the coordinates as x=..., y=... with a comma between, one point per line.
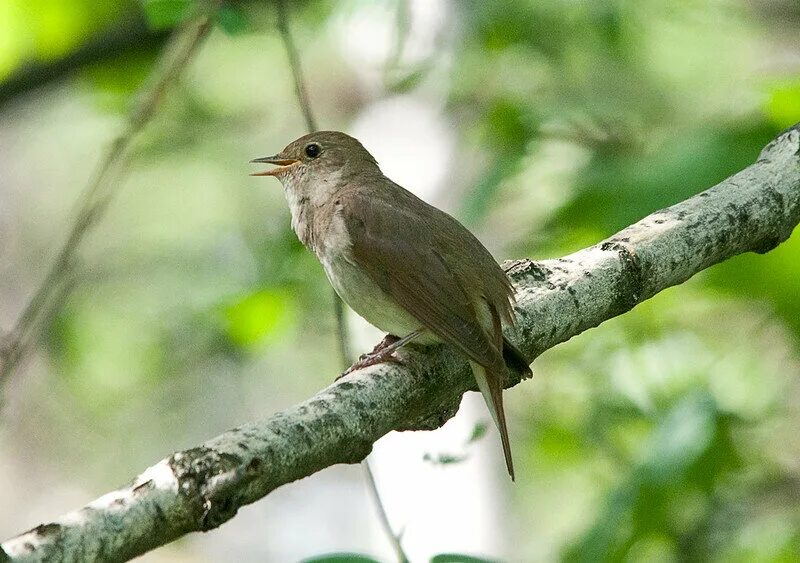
x=408, y=268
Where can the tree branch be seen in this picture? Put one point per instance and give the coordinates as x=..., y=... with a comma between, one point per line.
x=294, y=63
x=200, y=488
x=301, y=92
x=94, y=201
x=129, y=35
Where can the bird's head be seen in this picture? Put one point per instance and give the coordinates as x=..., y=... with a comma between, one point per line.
x=324, y=157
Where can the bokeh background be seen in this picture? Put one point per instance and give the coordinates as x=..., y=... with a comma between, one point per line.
x=671, y=433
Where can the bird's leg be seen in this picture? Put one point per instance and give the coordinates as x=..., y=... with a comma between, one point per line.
x=391, y=343
x=388, y=340
x=382, y=352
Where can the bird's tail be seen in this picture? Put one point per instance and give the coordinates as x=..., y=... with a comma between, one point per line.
x=491, y=386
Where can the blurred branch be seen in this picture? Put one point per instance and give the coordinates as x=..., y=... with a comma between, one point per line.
x=383, y=517
x=294, y=63
x=102, y=187
x=343, y=338
x=199, y=489
x=342, y=335
x=129, y=35
x=402, y=28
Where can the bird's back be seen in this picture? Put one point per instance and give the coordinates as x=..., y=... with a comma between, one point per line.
x=466, y=257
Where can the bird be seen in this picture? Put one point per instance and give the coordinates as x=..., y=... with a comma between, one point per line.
x=405, y=266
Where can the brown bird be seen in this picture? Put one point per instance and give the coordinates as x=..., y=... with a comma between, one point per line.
x=405, y=266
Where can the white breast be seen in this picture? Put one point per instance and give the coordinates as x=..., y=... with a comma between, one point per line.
x=356, y=288
x=307, y=199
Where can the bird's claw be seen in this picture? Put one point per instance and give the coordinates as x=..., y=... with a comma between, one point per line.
x=371, y=359
x=383, y=352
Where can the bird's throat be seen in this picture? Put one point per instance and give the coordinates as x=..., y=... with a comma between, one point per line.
x=303, y=213
x=310, y=202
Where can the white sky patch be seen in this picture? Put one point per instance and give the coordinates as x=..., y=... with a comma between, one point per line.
x=369, y=34
x=366, y=35
x=411, y=140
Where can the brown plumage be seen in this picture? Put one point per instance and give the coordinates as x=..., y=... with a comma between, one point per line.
x=399, y=262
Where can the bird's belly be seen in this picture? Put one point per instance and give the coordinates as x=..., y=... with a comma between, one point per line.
x=366, y=298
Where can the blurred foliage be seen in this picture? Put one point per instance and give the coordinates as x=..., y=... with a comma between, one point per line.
x=341, y=558
x=42, y=30
x=479, y=430
x=258, y=315
x=668, y=434
x=166, y=13
x=457, y=558
x=357, y=558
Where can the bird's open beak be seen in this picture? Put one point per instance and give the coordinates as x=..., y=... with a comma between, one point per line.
x=282, y=163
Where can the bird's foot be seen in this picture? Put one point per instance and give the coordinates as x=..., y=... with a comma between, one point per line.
x=387, y=341
x=383, y=352
x=371, y=359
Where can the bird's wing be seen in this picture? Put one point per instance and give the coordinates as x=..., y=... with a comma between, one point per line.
x=426, y=273
x=417, y=271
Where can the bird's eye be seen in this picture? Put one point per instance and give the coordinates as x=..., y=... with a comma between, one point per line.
x=313, y=150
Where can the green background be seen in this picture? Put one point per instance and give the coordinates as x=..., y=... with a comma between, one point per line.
x=671, y=433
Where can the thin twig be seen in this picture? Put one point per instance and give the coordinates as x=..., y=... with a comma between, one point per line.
x=394, y=539
x=402, y=28
x=129, y=35
x=341, y=326
x=311, y=125
x=101, y=189
x=294, y=63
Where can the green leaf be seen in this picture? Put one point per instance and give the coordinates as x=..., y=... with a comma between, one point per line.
x=162, y=14
x=444, y=459
x=231, y=20
x=681, y=437
x=112, y=84
x=256, y=316
x=341, y=558
x=783, y=104
x=478, y=432
x=400, y=83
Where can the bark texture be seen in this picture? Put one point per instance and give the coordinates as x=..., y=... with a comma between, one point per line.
x=200, y=488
